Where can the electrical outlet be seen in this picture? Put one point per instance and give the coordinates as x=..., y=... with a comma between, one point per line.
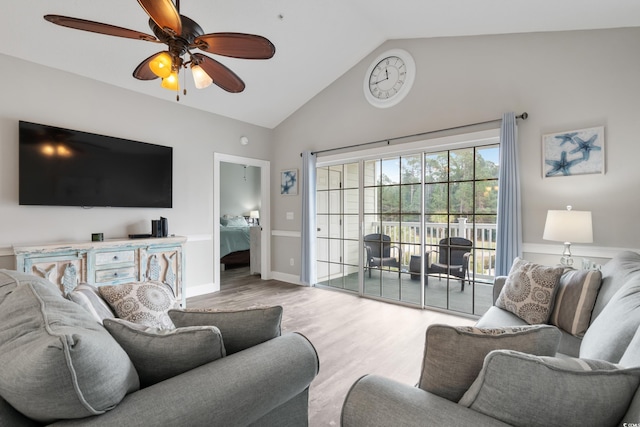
x=289, y=216
x=291, y=262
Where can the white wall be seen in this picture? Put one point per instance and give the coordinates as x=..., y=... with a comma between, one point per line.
x=564, y=80
x=34, y=93
x=239, y=189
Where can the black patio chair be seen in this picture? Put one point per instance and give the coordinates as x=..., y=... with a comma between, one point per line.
x=378, y=248
x=453, y=258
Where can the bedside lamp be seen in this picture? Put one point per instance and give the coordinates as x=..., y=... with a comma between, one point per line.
x=568, y=226
x=255, y=216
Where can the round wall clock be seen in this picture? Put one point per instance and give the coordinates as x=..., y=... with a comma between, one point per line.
x=389, y=78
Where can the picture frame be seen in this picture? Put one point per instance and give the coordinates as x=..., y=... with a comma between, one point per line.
x=574, y=152
x=289, y=182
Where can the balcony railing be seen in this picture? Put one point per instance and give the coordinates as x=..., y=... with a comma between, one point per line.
x=408, y=234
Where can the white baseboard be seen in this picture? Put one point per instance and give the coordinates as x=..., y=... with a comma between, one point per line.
x=285, y=277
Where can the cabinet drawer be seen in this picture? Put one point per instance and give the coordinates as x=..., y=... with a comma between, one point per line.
x=116, y=275
x=116, y=257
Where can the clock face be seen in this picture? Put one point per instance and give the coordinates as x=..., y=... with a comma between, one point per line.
x=389, y=78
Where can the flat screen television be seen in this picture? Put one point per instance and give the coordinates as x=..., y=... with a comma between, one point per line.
x=63, y=167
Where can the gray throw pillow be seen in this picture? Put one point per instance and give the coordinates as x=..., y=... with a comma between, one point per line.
x=159, y=354
x=146, y=303
x=529, y=291
x=530, y=391
x=576, y=296
x=88, y=297
x=453, y=356
x=611, y=332
x=240, y=329
x=56, y=360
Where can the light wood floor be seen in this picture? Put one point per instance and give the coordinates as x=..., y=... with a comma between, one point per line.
x=353, y=336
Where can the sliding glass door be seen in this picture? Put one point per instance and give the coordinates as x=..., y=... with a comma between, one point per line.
x=337, y=205
x=417, y=229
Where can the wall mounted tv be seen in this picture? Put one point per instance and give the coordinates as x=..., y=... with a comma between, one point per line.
x=63, y=167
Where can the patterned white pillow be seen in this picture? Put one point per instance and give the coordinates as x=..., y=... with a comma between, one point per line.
x=146, y=303
x=529, y=291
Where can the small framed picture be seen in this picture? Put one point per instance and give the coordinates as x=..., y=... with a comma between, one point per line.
x=575, y=152
x=289, y=182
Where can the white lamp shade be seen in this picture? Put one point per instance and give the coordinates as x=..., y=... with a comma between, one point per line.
x=200, y=78
x=568, y=226
x=254, y=214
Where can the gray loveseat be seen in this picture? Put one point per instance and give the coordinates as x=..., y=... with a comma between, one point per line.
x=58, y=363
x=514, y=388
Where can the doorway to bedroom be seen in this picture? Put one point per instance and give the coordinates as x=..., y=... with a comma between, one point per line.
x=241, y=218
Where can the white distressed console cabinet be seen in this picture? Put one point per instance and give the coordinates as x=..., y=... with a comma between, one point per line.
x=107, y=263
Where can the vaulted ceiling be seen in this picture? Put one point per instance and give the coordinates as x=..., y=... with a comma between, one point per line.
x=316, y=41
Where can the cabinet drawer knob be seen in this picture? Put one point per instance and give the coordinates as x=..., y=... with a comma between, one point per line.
x=115, y=274
x=115, y=257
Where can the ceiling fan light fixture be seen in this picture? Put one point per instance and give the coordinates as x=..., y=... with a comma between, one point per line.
x=161, y=65
x=171, y=82
x=200, y=77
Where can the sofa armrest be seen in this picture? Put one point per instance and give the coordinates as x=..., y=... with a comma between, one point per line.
x=374, y=401
x=235, y=390
x=498, y=284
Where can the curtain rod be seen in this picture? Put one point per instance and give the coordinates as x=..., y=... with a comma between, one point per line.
x=522, y=116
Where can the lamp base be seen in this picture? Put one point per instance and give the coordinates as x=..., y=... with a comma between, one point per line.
x=566, y=258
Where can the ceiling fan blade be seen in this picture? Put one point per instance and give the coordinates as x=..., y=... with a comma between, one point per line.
x=236, y=45
x=143, y=71
x=164, y=14
x=221, y=75
x=98, y=27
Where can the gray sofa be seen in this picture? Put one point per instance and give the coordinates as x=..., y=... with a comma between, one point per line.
x=55, y=357
x=524, y=390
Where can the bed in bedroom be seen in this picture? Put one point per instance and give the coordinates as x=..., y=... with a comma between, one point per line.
x=234, y=242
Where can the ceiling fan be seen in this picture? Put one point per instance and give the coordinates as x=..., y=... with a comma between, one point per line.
x=181, y=35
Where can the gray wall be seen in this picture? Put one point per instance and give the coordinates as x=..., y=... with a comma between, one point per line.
x=48, y=96
x=239, y=189
x=564, y=80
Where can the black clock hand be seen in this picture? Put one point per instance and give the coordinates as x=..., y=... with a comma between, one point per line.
x=386, y=72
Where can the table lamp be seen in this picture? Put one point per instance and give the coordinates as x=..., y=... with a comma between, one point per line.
x=255, y=216
x=568, y=226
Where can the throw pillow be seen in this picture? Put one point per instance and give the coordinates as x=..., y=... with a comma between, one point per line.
x=525, y=390
x=237, y=221
x=88, y=297
x=529, y=291
x=56, y=361
x=146, y=303
x=611, y=332
x=158, y=354
x=453, y=356
x=240, y=329
x=576, y=295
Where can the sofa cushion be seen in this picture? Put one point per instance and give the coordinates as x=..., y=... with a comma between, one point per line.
x=615, y=275
x=453, y=356
x=89, y=298
x=240, y=329
x=530, y=290
x=146, y=303
x=576, y=295
x=56, y=360
x=158, y=354
x=611, y=332
x=526, y=390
